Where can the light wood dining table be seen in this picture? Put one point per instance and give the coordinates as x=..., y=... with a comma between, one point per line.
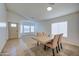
x=42, y=40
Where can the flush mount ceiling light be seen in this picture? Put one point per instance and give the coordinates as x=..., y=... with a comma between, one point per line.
x=49, y=8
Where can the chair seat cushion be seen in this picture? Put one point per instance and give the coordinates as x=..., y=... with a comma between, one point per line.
x=49, y=45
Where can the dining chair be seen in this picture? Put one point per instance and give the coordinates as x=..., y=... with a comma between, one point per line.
x=39, y=34
x=45, y=34
x=60, y=41
x=53, y=44
x=42, y=36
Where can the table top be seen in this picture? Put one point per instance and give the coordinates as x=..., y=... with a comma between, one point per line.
x=42, y=40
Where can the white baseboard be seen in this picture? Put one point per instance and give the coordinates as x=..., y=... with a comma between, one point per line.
x=72, y=43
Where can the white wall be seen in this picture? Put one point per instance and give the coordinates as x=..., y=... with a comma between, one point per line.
x=73, y=25
x=3, y=30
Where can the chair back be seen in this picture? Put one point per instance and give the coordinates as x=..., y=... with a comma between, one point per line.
x=45, y=34
x=60, y=38
x=55, y=40
x=39, y=34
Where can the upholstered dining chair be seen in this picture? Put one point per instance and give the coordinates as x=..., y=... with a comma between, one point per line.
x=60, y=41
x=53, y=44
x=39, y=34
x=42, y=36
x=45, y=34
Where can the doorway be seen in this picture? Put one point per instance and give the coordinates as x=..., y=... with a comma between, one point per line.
x=13, y=30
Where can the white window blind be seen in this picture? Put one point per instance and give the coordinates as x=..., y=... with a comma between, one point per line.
x=60, y=27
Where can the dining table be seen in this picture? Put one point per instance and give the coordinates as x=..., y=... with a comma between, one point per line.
x=42, y=40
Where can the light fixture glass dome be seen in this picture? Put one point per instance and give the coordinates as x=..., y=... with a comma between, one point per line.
x=49, y=8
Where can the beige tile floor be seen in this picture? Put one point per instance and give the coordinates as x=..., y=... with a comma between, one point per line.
x=28, y=47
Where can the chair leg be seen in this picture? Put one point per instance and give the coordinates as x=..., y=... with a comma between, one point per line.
x=45, y=47
x=57, y=49
x=61, y=45
x=53, y=52
x=37, y=43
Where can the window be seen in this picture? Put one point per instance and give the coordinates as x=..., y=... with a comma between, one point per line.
x=60, y=27
x=3, y=24
x=28, y=28
x=13, y=25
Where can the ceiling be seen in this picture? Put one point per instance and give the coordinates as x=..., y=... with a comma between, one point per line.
x=39, y=11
